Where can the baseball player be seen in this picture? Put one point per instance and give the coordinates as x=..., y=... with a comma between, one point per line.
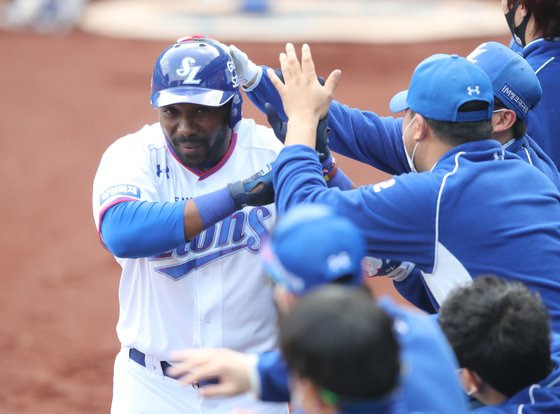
x=501, y=334
x=535, y=27
x=428, y=382
x=185, y=236
x=475, y=209
x=376, y=140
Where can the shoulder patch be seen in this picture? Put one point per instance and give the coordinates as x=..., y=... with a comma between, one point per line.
x=120, y=189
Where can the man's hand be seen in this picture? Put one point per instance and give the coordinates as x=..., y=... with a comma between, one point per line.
x=304, y=99
x=231, y=368
x=256, y=190
x=246, y=70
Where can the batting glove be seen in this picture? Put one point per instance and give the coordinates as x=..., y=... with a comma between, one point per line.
x=246, y=70
x=256, y=190
x=280, y=127
x=393, y=269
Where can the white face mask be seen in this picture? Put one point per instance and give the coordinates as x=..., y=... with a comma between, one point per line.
x=410, y=158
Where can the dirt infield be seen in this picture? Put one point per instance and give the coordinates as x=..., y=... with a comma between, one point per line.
x=64, y=100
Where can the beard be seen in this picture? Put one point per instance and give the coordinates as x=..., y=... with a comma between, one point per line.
x=197, y=151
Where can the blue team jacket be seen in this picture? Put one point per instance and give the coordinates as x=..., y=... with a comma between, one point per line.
x=377, y=141
x=540, y=398
x=429, y=382
x=544, y=120
x=480, y=210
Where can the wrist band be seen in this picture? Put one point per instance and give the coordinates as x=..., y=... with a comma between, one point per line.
x=330, y=171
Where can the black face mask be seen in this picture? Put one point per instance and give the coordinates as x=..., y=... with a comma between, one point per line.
x=519, y=31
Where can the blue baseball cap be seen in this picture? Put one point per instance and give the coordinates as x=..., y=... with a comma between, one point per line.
x=311, y=246
x=513, y=79
x=442, y=83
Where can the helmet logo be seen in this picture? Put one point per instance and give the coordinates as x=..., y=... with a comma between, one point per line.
x=188, y=71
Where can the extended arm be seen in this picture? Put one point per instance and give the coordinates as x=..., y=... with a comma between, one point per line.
x=360, y=135
x=135, y=229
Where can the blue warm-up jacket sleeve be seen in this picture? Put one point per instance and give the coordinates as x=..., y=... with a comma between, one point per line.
x=414, y=290
x=135, y=229
x=360, y=135
x=382, y=211
x=273, y=376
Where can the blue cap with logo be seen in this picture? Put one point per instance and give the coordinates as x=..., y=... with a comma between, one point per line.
x=442, y=83
x=311, y=246
x=513, y=79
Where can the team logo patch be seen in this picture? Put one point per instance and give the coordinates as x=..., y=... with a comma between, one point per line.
x=127, y=190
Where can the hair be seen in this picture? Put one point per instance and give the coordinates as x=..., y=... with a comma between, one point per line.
x=340, y=340
x=546, y=14
x=457, y=133
x=501, y=331
x=519, y=128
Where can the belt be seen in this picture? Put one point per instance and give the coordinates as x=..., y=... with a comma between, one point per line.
x=140, y=359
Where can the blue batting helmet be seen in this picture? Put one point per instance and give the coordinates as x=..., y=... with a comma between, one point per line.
x=198, y=70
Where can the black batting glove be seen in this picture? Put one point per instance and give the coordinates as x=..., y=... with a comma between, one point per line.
x=257, y=190
x=280, y=127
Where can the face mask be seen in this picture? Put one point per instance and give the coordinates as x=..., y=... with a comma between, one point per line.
x=410, y=159
x=518, y=32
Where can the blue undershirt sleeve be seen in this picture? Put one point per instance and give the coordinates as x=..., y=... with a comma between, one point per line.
x=134, y=229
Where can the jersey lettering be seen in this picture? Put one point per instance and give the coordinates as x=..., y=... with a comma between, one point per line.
x=236, y=232
x=189, y=71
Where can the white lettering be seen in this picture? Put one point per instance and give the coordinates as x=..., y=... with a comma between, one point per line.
x=189, y=71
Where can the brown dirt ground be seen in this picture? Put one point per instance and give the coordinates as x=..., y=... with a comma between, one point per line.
x=64, y=100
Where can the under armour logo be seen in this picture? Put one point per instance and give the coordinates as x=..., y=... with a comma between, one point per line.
x=472, y=91
x=160, y=170
x=189, y=71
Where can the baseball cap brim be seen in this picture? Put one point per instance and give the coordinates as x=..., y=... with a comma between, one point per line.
x=399, y=102
x=277, y=272
x=198, y=96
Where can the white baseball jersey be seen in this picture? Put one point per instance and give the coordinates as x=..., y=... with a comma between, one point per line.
x=210, y=292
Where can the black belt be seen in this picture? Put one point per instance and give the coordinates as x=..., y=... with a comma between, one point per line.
x=140, y=358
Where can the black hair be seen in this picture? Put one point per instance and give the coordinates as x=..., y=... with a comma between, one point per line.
x=501, y=331
x=337, y=338
x=456, y=133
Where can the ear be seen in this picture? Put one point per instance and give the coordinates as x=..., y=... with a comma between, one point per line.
x=503, y=120
x=421, y=130
x=318, y=400
x=471, y=381
x=285, y=300
x=522, y=10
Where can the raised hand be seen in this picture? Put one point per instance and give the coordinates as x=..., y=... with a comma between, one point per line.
x=301, y=92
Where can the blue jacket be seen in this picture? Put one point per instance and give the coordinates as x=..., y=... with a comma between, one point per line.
x=367, y=137
x=377, y=141
x=429, y=382
x=454, y=222
x=544, y=120
x=540, y=398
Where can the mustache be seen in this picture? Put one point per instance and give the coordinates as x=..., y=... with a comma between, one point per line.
x=190, y=139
